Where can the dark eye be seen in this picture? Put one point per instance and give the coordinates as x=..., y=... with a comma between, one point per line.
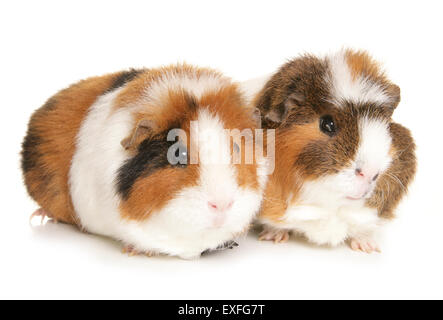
x=327, y=125
x=182, y=156
x=236, y=148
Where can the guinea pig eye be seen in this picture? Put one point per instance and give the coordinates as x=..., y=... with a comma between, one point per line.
x=236, y=148
x=327, y=125
x=182, y=156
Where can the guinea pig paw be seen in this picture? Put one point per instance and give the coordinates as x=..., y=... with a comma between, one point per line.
x=131, y=251
x=367, y=245
x=227, y=245
x=43, y=214
x=276, y=235
x=150, y=253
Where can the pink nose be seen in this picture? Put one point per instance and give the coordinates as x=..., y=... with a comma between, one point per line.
x=221, y=206
x=366, y=174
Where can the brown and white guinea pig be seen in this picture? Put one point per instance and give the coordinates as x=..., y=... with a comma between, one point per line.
x=96, y=155
x=342, y=165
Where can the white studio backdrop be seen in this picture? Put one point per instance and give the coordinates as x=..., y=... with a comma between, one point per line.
x=47, y=45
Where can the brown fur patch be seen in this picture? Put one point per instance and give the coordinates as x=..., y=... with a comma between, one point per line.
x=361, y=64
x=132, y=94
x=329, y=156
x=287, y=178
x=50, y=143
x=152, y=193
x=303, y=77
x=299, y=87
x=393, y=184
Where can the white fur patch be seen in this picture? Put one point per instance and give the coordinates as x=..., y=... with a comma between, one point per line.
x=190, y=82
x=324, y=213
x=251, y=88
x=184, y=227
x=329, y=219
x=345, y=88
x=97, y=158
x=374, y=146
x=217, y=175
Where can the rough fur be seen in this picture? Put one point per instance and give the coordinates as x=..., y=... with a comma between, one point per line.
x=305, y=192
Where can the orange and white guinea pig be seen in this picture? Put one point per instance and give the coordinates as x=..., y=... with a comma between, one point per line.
x=96, y=155
x=342, y=165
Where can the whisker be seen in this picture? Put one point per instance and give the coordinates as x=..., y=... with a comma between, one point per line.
x=395, y=178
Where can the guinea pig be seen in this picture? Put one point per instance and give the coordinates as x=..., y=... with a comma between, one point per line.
x=342, y=165
x=127, y=155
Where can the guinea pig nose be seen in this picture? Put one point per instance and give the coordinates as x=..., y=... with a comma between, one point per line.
x=359, y=172
x=368, y=174
x=221, y=205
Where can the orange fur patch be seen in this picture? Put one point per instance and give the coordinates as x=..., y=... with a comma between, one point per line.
x=149, y=194
x=137, y=88
x=361, y=64
x=56, y=127
x=392, y=185
x=284, y=184
x=230, y=108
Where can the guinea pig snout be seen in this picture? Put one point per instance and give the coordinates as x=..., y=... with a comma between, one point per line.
x=220, y=206
x=366, y=174
x=219, y=209
x=364, y=183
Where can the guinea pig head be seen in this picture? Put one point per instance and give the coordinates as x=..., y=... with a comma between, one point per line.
x=333, y=116
x=189, y=161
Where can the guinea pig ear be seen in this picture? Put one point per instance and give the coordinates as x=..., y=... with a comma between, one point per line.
x=295, y=99
x=394, y=93
x=143, y=127
x=256, y=115
x=277, y=115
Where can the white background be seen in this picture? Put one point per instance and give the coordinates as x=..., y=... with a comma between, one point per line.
x=45, y=46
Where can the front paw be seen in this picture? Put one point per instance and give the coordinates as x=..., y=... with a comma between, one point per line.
x=364, y=244
x=276, y=235
x=227, y=245
x=131, y=251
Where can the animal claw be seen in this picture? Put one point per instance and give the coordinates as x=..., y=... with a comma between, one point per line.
x=131, y=251
x=276, y=235
x=43, y=214
x=366, y=245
